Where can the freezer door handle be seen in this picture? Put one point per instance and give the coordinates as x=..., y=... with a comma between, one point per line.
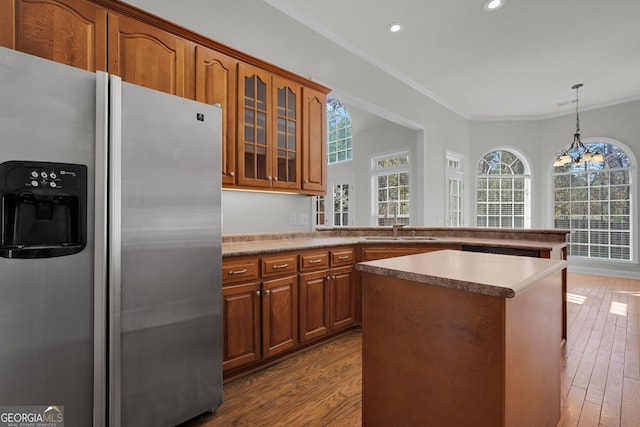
x=115, y=249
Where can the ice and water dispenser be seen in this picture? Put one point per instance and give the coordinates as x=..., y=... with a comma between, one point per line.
x=43, y=210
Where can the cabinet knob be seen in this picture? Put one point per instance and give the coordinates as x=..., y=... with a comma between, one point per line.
x=270, y=178
x=267, y=292
x=258, y=293
x=275, y=178
x=306, y=181
x=232, y=173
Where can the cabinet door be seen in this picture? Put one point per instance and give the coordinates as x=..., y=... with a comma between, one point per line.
x=254, y=127
x=314, y=305
x=240, y=325
x=279, y=315
x=71, y=32
x=342, y=298
x=216, y=84
x=287, y=123
x=146, y=56
x=314, y=141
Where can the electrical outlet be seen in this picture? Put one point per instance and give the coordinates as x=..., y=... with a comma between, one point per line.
x=292, y=219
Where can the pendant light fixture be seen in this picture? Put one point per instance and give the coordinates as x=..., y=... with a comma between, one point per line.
x=577, y=153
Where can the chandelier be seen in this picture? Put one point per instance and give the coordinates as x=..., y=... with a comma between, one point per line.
x=577, y=153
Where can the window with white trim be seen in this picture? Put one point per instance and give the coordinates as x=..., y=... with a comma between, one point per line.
x=319, y=210
x=339, y=142
x=503, y=191
x=454, y=190
x=594, y=200
x=340, y=211
x=390, y=183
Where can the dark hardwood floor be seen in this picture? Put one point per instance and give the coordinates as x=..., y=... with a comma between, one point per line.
x=322, y=386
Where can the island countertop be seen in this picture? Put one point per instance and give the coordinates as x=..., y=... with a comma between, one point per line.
x=489, y=274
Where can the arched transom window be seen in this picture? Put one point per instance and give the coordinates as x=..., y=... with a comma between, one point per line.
x=502, y=191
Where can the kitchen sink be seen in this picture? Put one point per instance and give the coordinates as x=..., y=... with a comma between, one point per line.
x=415, y=238
x=381, y=238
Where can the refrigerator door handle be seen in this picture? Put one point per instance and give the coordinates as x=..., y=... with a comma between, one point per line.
x=100, y=252
x=115, y=250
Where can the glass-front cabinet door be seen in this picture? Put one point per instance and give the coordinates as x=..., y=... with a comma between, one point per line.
x=254, y=127
x=287, y=126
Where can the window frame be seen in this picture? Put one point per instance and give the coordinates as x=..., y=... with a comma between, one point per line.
x=633, y=194
x=376, y=172
x=329, y=200
x=526, y=188
x=454, y=173
x=348, y=137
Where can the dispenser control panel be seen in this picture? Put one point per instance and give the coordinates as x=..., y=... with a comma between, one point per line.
x=41, y=177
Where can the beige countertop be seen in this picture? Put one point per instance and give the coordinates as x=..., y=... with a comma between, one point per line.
x=278, y=244
x=489, y=274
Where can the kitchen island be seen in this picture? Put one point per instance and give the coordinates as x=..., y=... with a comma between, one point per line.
x=455, y=338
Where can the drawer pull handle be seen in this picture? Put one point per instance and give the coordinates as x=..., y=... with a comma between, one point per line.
x=344, y=257
x=232, y=272
x=279, y=266
x=315, y=261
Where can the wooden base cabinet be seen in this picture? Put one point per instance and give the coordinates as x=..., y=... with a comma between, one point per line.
x=259, y=320
x=279, y=315
x=327, y=297
x=341, y=300
x=314, y=305
x=241, y=325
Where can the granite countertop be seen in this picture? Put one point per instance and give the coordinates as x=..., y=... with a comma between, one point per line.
x=262, y=244
x=489, y=274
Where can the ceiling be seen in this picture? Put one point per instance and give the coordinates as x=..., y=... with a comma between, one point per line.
x=519, y=61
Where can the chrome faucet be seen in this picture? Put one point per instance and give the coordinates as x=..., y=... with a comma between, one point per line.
x=396, y=227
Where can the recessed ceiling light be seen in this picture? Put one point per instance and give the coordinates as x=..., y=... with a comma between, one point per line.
x=394, y=27
x=493, y=4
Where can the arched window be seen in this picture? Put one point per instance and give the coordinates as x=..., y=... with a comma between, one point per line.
x=339, y=144
x=502, y=191
x=594, y=200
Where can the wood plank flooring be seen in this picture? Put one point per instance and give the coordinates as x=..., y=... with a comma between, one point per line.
x=322, y=386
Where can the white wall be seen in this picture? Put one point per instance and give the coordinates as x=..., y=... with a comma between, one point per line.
x=374, y=136
x=259, y=212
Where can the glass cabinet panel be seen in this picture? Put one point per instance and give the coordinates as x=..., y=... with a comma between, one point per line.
x=255, y=128
x=287, y=127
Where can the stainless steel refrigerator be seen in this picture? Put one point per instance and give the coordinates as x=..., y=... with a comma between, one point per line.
x=110, y=257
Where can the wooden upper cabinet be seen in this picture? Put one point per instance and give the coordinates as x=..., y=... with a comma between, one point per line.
x=314, y=141
x=71, y=32
x=147, y=56
x=254, y=127
x=287, y=121
x=215, y=83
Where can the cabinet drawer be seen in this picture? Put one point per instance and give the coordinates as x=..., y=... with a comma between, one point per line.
x=236, y=270
x=279, y=265
x=342, y=257
x=314, y=260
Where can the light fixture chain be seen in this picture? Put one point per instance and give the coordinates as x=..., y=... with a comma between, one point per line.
x=577, y=114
